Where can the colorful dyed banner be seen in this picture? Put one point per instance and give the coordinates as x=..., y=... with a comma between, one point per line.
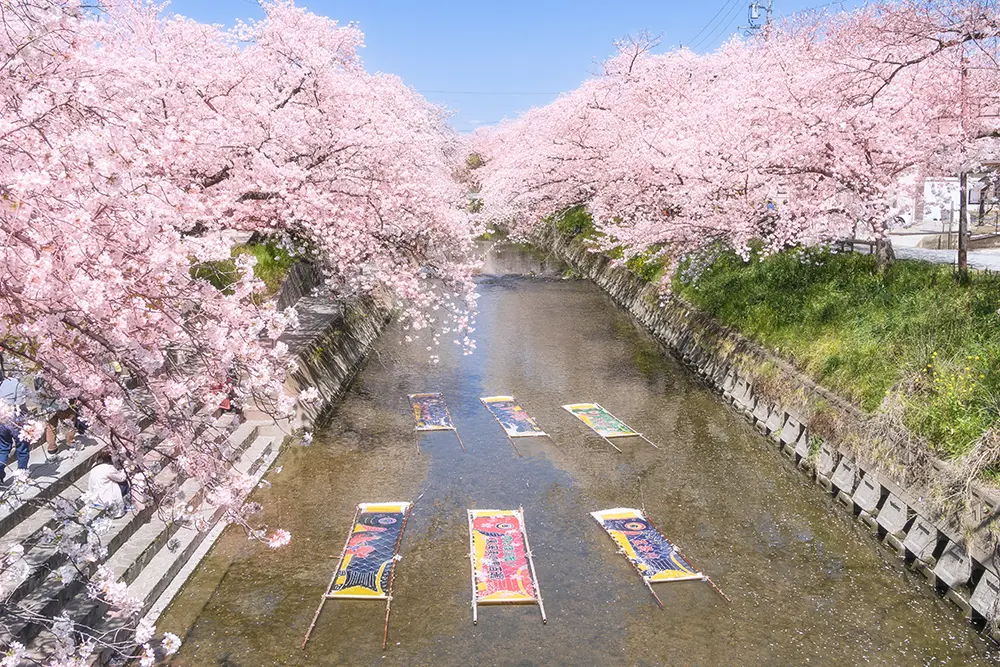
x=499, y=557
x=511, y=416
x=430, y=412
x=600, y=420
x=651, y=553
x=370, y=554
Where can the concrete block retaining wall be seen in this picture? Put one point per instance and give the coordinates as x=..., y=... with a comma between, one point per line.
x=965, y=571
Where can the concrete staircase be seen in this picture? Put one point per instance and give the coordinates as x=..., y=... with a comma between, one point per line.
x=146, y=550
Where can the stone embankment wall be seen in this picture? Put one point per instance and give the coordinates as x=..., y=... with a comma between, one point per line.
x=332, y=339
x=330, y=345
x=953, y=549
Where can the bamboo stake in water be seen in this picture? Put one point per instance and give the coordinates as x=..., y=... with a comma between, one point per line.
x=650, y=587
x=333, y=579
x=514, y=446
x=453, y=428
x=611, y=443
x=472, y=561
x=392, y=572
x=531, y=564
x=702, y=572
x=647, y=439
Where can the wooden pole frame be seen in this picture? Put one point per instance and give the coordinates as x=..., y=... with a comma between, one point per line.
x=472, y=563
x=702, y=572
x=417, y=429
x=509, y=436
x=607, y=439
x=531, y=564
x=326, y=594
x=537, y=589
x=392, y=572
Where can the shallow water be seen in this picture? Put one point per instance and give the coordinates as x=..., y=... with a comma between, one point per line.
x=807, y=585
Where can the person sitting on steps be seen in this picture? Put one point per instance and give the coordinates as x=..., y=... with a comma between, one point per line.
x=108, y=486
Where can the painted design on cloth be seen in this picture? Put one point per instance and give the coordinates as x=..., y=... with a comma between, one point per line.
x=653, y=555
x=502, y=572
x=514, y=420
x=430, y=412
x=371, y=550
x=600, y=420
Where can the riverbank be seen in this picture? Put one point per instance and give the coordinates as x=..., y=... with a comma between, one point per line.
x=905, y=495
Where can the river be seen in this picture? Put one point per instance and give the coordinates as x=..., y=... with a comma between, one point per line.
x=808, y=586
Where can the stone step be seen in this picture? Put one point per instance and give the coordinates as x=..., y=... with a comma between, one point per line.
x=40, y=557
x=188, y=547
x=144, y=561
x=39, y=587
x=53, y=592
x=46, y=481
x=165, y=565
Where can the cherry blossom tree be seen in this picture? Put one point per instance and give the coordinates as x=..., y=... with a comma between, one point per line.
x=125, y=135
x=671, y=152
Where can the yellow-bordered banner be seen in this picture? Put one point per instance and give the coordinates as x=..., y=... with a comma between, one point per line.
x=514, y=420
x=430, y=412
x=370, y=555
x=500, y=560
x=652, y=554
x=600, y=420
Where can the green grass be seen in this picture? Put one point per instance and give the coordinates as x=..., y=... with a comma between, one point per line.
x=575, y=222
x=273, y=263
x=914, y=329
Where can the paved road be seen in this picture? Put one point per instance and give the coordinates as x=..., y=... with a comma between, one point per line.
x=978, y=259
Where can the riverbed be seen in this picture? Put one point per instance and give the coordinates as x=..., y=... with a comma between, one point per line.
x=807, y=585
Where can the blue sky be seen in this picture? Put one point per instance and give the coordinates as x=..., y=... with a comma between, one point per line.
x=488, y=60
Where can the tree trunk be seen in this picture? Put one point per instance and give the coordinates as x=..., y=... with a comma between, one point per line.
x=963, y=226
x=884, y=254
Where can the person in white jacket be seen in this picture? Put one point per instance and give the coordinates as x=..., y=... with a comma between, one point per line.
x=108, y=486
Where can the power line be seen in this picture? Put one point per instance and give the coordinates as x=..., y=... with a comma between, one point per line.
x=710, y=22
x=732, y=16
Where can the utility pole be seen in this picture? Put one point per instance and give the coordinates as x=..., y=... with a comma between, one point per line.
x=753, y=18
x=963, y=191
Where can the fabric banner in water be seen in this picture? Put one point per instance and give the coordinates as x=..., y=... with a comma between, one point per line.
x=430, y=412
x=499, y=557
x=651, y=553
x=512, y=417
x=603, y=422
x=370, y=555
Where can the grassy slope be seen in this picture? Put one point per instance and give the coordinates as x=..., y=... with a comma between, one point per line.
x=864, y=336
x=272, y=266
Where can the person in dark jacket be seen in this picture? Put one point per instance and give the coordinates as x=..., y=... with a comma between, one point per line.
x=10, y=439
